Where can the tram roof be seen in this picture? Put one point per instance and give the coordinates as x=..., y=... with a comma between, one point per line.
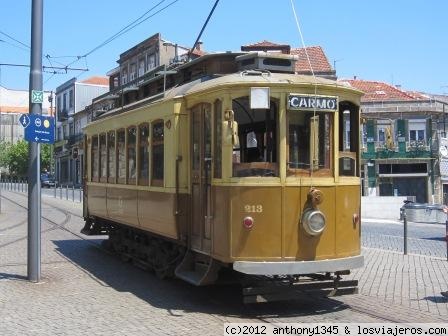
x=257, y=79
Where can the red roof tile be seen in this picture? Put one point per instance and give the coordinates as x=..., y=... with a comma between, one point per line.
x=14, y=109
x=418, y=95
x=97, y=80
x=377, y=91
x=318, y=60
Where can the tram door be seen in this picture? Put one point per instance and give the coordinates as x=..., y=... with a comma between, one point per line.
x=200, y=229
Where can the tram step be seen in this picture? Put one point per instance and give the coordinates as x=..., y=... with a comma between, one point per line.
x=198, y=273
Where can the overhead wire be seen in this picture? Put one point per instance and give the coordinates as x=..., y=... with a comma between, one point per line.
x=142, y=18
x=314, y=139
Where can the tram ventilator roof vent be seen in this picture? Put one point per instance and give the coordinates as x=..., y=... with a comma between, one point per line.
x=267, y=61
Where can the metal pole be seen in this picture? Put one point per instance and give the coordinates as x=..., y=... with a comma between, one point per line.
x=34, y=201
x=405, y=233
x=445, y=210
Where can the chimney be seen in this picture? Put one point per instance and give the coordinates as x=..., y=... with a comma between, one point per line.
x=354, y=77
x=199, y=45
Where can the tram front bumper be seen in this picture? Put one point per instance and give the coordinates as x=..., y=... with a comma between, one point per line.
x=298, y=267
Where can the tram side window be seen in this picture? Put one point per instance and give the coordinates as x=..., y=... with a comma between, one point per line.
x=309, y=143
x=255, y=153
x=121, y=156
x=157, y=149
x=217, y=140
x=111, y=157
x=143, y=160
x=95, y=159
x=348, y=139
x=132, y=155
x=103, y=158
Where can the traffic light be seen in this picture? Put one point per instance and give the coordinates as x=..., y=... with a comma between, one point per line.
x=75, y=153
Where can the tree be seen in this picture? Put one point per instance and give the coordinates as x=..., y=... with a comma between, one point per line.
x=4, y=148
x=17, y=159
x=46, y=153
x=14, y=157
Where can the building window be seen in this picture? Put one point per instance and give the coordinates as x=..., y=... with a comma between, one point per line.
x=95, y=159
x=64, y=106
x=70, y=99
x=133, y=72
x=141, y=67
x=131, y=158
x=111, y=170
x=59, y=107
x=151, y=62
x=143, y=155
x=417, y=132
x=121, y=156
x=103, y=158
x=124, y=77
x=157, y=149
x=217, y=140
x=416, y=135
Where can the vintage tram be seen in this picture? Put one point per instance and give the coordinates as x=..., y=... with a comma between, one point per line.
x=243, y=166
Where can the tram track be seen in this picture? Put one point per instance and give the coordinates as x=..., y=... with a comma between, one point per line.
x=250, y=309
x=61, y=225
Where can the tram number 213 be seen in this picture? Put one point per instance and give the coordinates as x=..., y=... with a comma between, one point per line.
x=249, y=208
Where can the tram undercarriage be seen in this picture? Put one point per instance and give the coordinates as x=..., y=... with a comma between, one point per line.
x=168, y=259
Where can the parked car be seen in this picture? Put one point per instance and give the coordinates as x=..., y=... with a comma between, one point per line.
x=47, y=181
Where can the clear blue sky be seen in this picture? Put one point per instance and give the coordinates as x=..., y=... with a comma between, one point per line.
x=396, y=41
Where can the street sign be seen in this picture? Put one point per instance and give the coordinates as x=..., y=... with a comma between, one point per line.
x=38, y=128
x=24, y=120
x=37, y=97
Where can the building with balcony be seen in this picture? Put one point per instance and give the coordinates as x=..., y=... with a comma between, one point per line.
x=71, y=99
x=400, y=140
x=140, y=73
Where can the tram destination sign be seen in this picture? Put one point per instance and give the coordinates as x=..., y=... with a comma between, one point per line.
x=310, y=102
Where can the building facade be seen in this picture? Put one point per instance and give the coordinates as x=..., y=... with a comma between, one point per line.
x=71, y=99
x=401, y=137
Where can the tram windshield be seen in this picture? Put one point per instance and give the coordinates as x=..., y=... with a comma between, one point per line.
x=255, y=152
x=310, y=143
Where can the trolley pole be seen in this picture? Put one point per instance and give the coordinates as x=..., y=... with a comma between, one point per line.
x=34, y=205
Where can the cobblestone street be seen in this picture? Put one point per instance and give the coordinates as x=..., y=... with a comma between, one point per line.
x=85, y=290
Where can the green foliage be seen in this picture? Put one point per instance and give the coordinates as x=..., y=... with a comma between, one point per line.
x=46, y=152
x=17, y=159
x=4, y=148
x=14, y=157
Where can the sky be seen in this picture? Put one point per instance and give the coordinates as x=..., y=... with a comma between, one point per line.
x=400, y=42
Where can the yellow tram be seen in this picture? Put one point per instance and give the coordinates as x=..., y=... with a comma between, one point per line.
x=247, y=167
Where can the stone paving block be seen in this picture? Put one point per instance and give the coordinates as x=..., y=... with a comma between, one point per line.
x=85, y=291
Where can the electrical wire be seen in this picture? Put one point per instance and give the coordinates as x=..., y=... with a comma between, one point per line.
x=127, y=28
x=315, y=140
x=15, y=40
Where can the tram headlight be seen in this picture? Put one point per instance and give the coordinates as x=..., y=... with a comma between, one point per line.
x=313, y=222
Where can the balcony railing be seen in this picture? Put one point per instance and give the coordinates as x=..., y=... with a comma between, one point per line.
x=74, y=139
